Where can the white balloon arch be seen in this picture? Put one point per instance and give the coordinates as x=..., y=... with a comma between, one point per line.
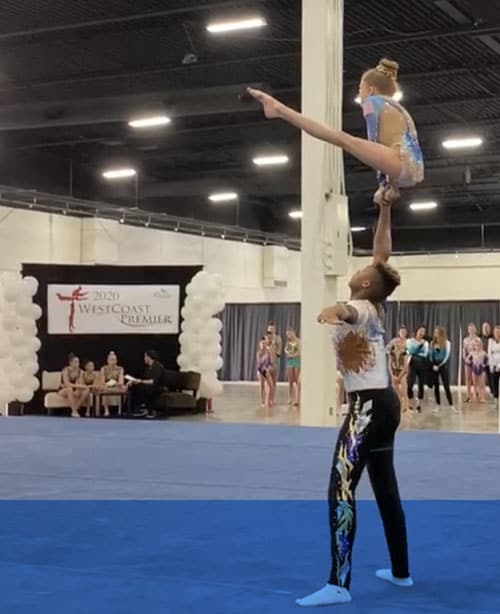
x=19, y=343
x=200, y=339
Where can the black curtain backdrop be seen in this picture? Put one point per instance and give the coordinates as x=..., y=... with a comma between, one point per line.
x=245, y=324
x=129, y=348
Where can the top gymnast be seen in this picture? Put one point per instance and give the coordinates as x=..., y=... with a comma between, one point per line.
x=392, y=147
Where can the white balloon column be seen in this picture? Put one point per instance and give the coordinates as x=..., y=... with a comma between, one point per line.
x=18, y=341
x=201, y=339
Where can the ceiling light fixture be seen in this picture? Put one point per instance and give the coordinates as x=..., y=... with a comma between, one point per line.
x=122, y=218
x=358, y=228
x=234, y=26
x=222, y=197
x=270, y=160
x=424, y=206
x=150, y=122
x=119, y=173
x=296, y=214
x=464, y=143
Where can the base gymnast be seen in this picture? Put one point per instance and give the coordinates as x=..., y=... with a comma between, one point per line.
x=392, y=147
x=367, y=435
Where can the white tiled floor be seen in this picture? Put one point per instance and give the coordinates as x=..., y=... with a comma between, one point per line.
x=240, y=403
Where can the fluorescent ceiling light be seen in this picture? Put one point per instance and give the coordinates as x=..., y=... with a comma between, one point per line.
x=423, y=206
x=358, y=228
x=270, y=160
x=296, y=214
x=473, y=141
x=233, y=26
x=223, y=197
x=119, y=173
x=398, y=96
x=150, y=122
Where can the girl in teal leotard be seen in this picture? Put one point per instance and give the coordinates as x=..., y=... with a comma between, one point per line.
x=292, y=352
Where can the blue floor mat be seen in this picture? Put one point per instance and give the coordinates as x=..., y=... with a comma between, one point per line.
x=99, y=459
x=130, y=557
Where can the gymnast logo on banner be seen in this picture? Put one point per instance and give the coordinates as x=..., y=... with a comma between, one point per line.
x=91, y=310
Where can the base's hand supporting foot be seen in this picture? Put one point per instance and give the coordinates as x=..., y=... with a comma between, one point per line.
x=328, y=595
x=386, y=575
x=386, y=195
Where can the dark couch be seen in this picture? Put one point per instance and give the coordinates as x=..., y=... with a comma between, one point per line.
x=180, y=394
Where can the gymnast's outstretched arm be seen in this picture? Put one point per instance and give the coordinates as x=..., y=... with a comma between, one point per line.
x=382, y=240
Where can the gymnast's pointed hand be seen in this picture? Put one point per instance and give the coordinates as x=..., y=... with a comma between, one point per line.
x=270, y=105
x=330, y=315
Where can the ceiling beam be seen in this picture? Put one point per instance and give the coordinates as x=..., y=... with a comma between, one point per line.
x=147, y=70
x=427, y=105
x=285, y=183
x=179, y=103
x=113, y=21
x=439, y=72
x=451, y=32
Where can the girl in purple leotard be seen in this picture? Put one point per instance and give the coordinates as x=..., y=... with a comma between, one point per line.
x=265, y=373
x=478, y=361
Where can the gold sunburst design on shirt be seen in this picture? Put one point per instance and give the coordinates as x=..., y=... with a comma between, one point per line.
x=354, y=352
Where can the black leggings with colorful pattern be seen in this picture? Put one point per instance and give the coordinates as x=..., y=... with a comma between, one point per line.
x=366, y=439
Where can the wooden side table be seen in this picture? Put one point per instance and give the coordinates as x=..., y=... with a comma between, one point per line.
x=122, y=393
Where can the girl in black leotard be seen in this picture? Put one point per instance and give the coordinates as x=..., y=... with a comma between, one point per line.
x=73, y=389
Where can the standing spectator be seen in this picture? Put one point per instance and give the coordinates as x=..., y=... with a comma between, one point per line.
x=478, y=360
x=485, y=337
x=264, y=372
x=277, y=350
x=439, y=357
x=292, y=352
x=272, y=349
x=494, y=360
x=398, y=366
x=418, y=351
x=467, y=346
x=402, y=334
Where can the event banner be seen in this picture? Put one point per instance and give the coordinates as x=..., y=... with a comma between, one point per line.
x=128, y=309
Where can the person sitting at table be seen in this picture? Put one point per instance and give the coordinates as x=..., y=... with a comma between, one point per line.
x=144, y=393
x=73, y=389
x=112, y=378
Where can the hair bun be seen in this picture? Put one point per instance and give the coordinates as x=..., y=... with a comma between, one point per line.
x=388, y=68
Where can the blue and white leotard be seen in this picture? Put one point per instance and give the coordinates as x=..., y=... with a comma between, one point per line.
x=389, y=123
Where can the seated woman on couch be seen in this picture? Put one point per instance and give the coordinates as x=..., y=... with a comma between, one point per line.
x=73, y=389
x=112, y=378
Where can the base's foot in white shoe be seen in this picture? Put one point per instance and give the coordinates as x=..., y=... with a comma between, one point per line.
x=386, y=575
x=328, y=595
